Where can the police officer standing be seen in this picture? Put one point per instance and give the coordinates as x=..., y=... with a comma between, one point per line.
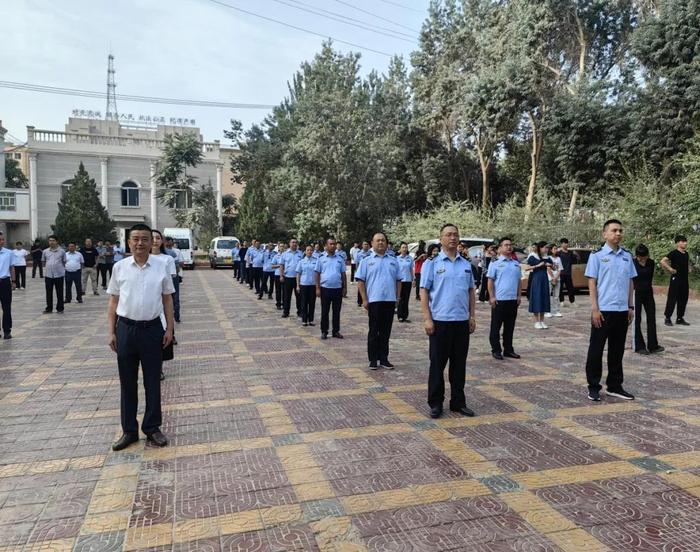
x=610, y=272
x=406, y=270
x=235, y=260
x=140, y=291
x=7, y=284
x=505, y=288
x=256, y=259
x=448, y=301
x=288, y=277
x=379, y=284
x=306, y=283
x=276, y=264
x=361, y=254
x=268, y=273
x=331, y=287
x=242, y=257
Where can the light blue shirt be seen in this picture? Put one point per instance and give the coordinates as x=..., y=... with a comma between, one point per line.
x=316, y=254
x=405, y=267
x=506, y=275
x=289, y=260
x=249, y=255
x=277, y=260
x=342, y=253
x=361, y=255
x=332, y=269
x=6, y=261
x=448, y=283
x=612, y=271
x=267, y=258
x=118, y=253
x=306, y=268
x=234, y=254
x=257, y=258
x=380, y=274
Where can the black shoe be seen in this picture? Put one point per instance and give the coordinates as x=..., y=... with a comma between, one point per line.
x=324, y=336
x=67, y=301
x=125, y=440
x=162, y=375
x=80, y=300
x=497, y=356
x=436, y=411
x=401, y=320
x=621, y=394
x=668, y=322
x=511, y=355
x=464, y=411
x=304, y=323
x=658, y=350
x=59, y=311
x=386, y=364
x=373, y=365
x=643, y=352
x=7, y=335
x=406, y=321
x=594, y=395
x=95, y=292
x=681, y=322
x=178, y=320
x=259, y=297
x=338, y=335
x=285, y=316
x=47, y=311
x=311, y=324
x=157, y=438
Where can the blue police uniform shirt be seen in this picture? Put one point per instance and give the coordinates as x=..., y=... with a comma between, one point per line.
x=6, y=261
x=331, y=268
x=361, y=255
x=277, y=260
x=316, y=254
x=380, y=274
x=612, y=271
x=289, y=260
x=505, y=273
x=257, y=258
x=306, y=268
x=448, y=283
x=234, y=254
x=267, y=257
x=341, y=253
x=405, y=266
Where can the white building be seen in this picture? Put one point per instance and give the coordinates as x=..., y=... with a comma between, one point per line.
x=122, y=161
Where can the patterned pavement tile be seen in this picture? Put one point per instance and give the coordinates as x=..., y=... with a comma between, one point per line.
x=280, y=441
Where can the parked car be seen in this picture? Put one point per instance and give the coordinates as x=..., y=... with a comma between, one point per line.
x=578, y=268
x=220, y=251
x=472, y=244
x=184, y=241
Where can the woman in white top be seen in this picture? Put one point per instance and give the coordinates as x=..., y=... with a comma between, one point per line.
x=554, y=272
x=158, y=250
x=20, y=263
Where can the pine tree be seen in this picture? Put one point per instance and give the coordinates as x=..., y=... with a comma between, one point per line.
x=80, y=213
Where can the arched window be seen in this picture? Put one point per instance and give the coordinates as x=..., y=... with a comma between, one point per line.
x=130, y=194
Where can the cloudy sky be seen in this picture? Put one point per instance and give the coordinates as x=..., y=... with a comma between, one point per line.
x=193, y=49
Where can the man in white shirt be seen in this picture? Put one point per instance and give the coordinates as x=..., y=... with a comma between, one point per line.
x=7, y=283
x=74, y=274
x=140, y=291
x=20, y=262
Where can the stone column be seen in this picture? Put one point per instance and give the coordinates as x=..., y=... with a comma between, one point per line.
x=33, y=197
x=103, y=181
x=154, y=199
x=219, y=196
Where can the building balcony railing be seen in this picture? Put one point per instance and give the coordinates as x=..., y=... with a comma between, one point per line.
x=14, y=205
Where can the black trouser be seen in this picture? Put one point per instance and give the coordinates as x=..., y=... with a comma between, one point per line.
x=74, y=278
x=568, y=283
x=644, y=300
x=418, y=285
x=352, y=271
x=331, y=297
x=144, y=345
x=50, y=284
x=250, y=276
x=243, y=273
x=307, y=294
x=105, y=269
x=290, y=285
x=6, y=304
x=677, y=297
x=236, y=269
x=21, y=276
x=484, y=287
x=266, y=285
x=176, y=298
x=405, y=297
x=449, y=342
x=257, y=279
x=37, y=265
x=503, y=314
x=614, y=331
x=381, y=318
x=278, y=292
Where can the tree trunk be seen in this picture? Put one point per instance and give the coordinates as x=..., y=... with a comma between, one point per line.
x=572, y=205
x=485, y=184
x=535, y=153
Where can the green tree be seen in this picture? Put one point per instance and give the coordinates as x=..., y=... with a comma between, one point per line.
x=14, y=177
x=204, y=213
x=80, y=213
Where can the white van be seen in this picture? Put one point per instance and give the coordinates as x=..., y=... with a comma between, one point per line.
x=184, y=241
x=220, y=251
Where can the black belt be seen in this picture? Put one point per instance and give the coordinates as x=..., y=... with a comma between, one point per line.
x=139, y=323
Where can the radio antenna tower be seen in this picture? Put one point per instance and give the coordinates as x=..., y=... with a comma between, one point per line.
x=111, y=112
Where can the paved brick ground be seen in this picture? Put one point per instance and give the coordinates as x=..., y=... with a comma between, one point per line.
x=283, y=442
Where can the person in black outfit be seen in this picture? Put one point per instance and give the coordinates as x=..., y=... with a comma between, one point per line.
x=36, y=252
x=644, y=299
x=567, y=260
x=677, y=263
x=489, y=255
x=242, y=273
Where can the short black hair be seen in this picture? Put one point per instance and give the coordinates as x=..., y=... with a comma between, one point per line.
x=611, y=221
x=140, y=226
x=18, y=243
x=563, y=240
x=54, y=236
x=504, y=238
x=642, y=250
x=331, y=238
x=383, y=234
x=447, y=226
x=71, y=243
x=680, y=238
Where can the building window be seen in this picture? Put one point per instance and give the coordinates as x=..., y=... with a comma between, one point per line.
x=183, y=199
x=130, y=194
x=18, y=156
x=65, y=187
x=7, y=201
